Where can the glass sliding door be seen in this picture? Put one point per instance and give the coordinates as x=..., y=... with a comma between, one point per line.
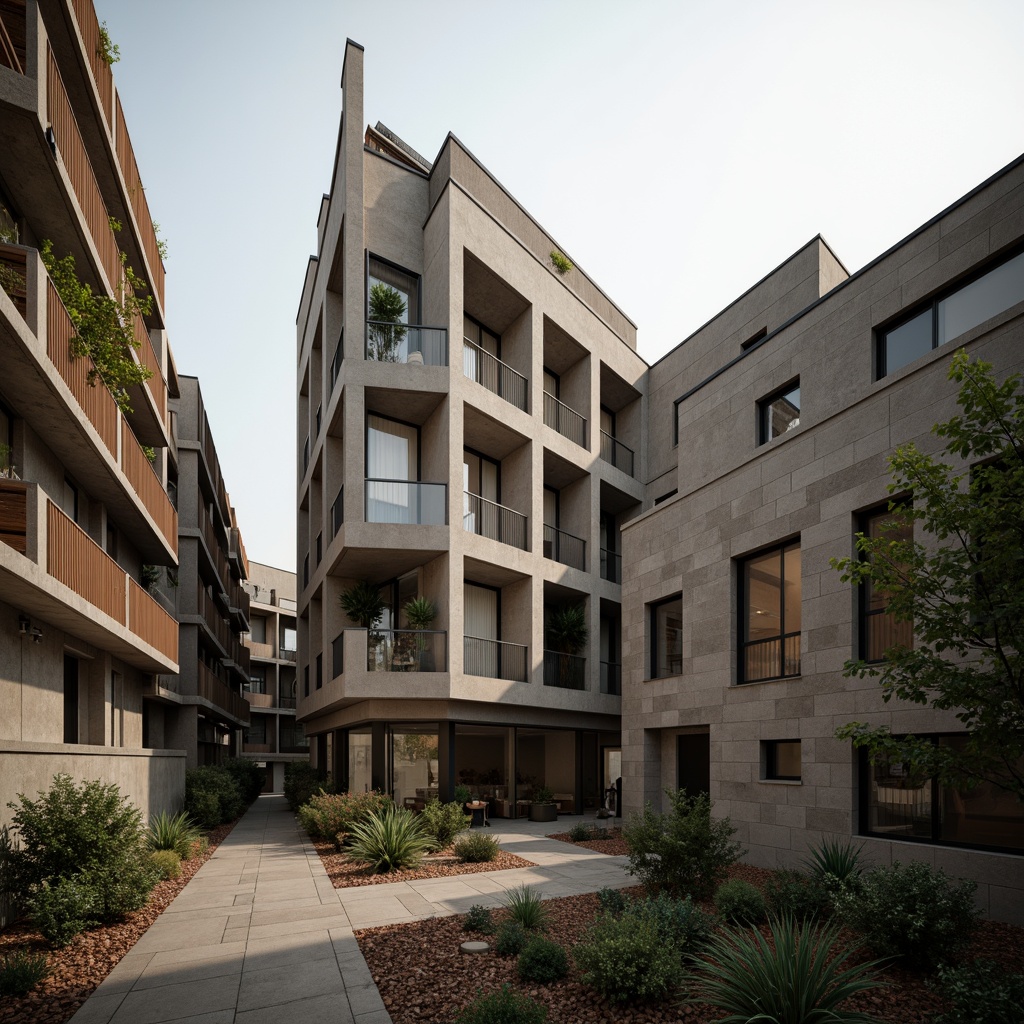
x=413, y=767
x=392, y=467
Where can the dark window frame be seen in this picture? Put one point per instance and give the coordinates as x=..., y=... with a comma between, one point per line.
x=484, y=327
x=418, y=278
x=771, y=761
x=743, y=596
x=864, y=614
x=652, y=661
x=764, y=411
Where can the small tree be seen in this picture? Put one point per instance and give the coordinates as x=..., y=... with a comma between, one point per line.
x=962, y=588
x=386, y=332
x=567, y=634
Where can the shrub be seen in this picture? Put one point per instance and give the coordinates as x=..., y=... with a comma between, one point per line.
x=685, y=850
x=248, y=776
x=173, y=832
x=542, y=961
x=835, y=864
x=580, y=833
x=444, y=821
x=611, y=901
x=212, y=796
x=525, y=906
x=167, y=862
x=739, y=902
x=479, y=920
x=63, y=909
x=21, y=971
x=800, y=977
x=680, y=923
x=504, y=1006
x=476, y=848
x=301, y=781
x=982, y=992
x=510, y=939
x=10, y=888
x=913, y=911
x=626, y=960
x=120, y=889
x=790, y=893
x=331, y=816
x=390, y=841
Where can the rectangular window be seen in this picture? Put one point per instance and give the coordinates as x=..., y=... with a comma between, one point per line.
x=288, y=639
x=951, y=316
x=779, y=412
x=781, y=760
x=257, y=731
x=406, y=284
x=769, y=625
x=305, y=681
x=878, y=629
x=667, y=638
x=319, y=671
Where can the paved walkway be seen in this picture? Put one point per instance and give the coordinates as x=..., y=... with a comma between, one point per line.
x=259, y=935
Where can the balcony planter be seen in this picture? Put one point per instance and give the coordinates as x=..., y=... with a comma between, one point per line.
x=543, y=806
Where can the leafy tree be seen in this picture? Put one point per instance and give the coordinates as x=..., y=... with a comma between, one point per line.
x=961, y=585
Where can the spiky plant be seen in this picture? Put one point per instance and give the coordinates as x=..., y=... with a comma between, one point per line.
x=175, y=832
x=525, y=906
x=390, y=841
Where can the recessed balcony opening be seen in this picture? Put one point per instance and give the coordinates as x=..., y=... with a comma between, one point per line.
x=496, y=462
x=566, y=637
x=610, y=647
x=566, y=384
x=488, y=650
x=394, y=491
x=620, y=422
x=393, y=334
x=566, y=512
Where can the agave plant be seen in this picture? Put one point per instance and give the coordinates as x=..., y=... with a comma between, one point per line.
x=390, y=841
x=175, y=832
x=797, y=978
x=835, y=863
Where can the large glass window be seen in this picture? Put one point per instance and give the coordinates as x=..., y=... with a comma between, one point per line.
x=952, y=315
x=360, y=760
x=779, y=412
x=770, y=615
x=480, y=623
x=879, y=630
x=407, y=286
x=392, y=457
x=413, y=763
x=667, y=638
x=483, y=763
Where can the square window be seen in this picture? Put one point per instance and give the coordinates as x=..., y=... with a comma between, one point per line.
x=781, y=759
x=779, y=412
x=667, y=638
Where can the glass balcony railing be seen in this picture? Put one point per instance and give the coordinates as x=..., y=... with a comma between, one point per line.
x=496, y=376
x=489, y=519
x=564, y=547
x=493, y=659
x=406, y=501
x=616, y=453
x=407, y=650
x=406, y=343
x=568, y=422
x=567, y=671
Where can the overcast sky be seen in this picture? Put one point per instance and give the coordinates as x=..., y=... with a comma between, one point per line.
x=676, y=151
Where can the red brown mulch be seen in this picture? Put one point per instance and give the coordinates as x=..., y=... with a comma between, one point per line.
x=77, y=969
x=614, y=845
x=344, y=872
x=424, y=979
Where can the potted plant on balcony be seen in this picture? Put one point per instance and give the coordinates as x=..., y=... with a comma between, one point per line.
x=364, y=604
x=543, y=806
x=385, y=329
x=420, y=614
x=567, y=635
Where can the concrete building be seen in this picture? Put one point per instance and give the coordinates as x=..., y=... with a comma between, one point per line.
x=769, y=435
x=479, y=450
x=273, y=738
x=85, y=516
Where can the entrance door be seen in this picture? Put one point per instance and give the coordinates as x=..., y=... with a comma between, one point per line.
x=693, y=763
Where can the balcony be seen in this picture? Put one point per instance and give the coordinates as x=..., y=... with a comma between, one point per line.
x=616, y=453
x=287, y=654
x=611, y=677
x=568, y=422
x=14, y=514
x=489, y=519
x=338, y=512
x=15, y=259
x=207, y=610
x=407, y=502
x=218, y=693
x=406, y=343
x=336, y=361
x=564, y=547
x=493, y=659
x=258, y=650
x=260, y=700
x=13, y=37
x=495, y=375
x=566, y=671
x=407, y=650
x=611, y=566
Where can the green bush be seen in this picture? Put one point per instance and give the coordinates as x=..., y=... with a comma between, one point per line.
x=166, y=862
x=542, y=961
x=21, y=971
x=331, y=816
x=510, y=939
x=800, y=977
x=11, y=891
x=444, y=821
x=680, y=923
x=504, y=1006
x=479, y=920
x=684, y=850
x=611, y=901
x=62, y=909
x=525, y=906
x=390, y=841
x=212, y=796
x=739, y=902
x=627, y=960
x=580, y=832
x=912, y=911
x=476, y=848
x=248, y=776
x=982, y=992
x=301, y=781
x=835, y=864
x=800, y=896
x=120, y=889
x=173, y=832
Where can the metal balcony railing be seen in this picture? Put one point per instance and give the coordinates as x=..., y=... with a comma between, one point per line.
x=776, y=658
x=611, y=566
x=493, y=659
x=567, y=671
x=489, y=519
x=611, y=677
x=496, y=376
x=406, y=343
x=568, y=422
x=338, y=511
x=406, y=501
x=564, y=547
x=615, y=452
x=407, y=650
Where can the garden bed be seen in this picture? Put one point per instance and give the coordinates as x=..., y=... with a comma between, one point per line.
x=423, y=978
x=614, y=845
x=77, y=969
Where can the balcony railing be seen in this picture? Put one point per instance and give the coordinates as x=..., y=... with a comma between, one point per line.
x=489, y=519
x=777, y=658
x=287, y=654
x=15, y=259
x=567, y=671
x=611, y=677
x=218, y=693
x=615, y=452
x=496, y=376
x=611, y=566
x=14, y=515
x=564, y=547
x=287, y=703
x=406, y=343
x=13, y=41
x=338, y=512
x=147, y=619
x=336, y=361
x=258, y=650
x=406, y=501
x=210, y=614
x=407, y=650
x=493, y=659
x=568, y=422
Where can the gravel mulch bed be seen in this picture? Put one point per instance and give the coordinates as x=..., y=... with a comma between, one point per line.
x=424, y=979
x=77, y=969
x=344, y=872
x=614, y=845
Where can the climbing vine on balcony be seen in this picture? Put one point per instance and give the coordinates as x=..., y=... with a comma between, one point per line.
x=104, y=326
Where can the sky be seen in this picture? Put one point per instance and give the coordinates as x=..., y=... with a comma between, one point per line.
x=676, y=151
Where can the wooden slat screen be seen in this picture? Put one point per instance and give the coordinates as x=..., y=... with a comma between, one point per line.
x=14, y=514
x=13, y=35
x=148, y=357
x=89, y=26
x=96, y=402
x=216, y=691
x=147, y=486
x=148, y=621
x=77, y=561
